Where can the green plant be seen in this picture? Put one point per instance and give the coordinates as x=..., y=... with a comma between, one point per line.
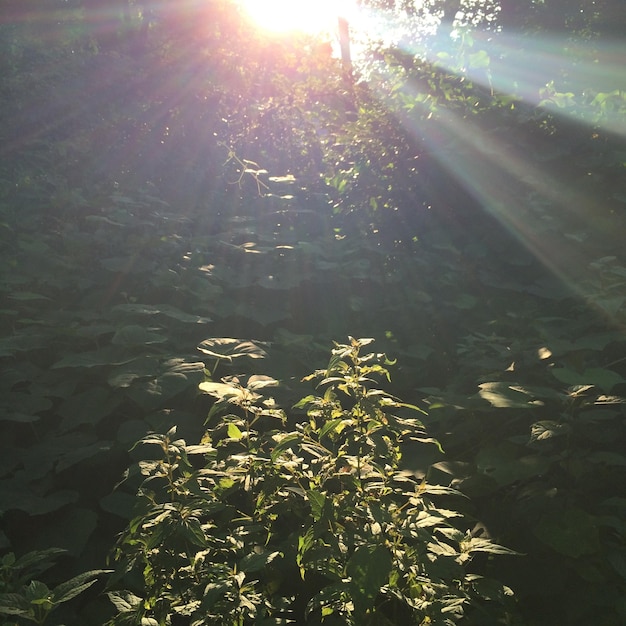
x=317, y=523
x=25, y=598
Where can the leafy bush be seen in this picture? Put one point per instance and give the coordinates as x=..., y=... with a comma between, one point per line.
x=25, y=598
x=263, y=524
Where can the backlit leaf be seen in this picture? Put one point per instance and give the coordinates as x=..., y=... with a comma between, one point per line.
x=228, y=348
x=234, y=432
x=507, y=396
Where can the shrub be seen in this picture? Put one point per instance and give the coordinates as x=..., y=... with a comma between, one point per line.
x=317, y=523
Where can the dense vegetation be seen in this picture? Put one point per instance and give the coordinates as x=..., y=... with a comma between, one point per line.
x=195, y=215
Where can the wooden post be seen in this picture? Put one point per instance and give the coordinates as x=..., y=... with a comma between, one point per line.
x=344, y=44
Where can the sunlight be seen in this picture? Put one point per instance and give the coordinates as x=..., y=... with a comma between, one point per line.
x=282, y=16
x=516, y=180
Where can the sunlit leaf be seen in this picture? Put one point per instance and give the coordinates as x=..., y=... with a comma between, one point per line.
x=476, y=544
x=479, y=60
x=234, y=432
x=220, y=390
x=228, y=348
x=506, y=395
x=260, y=382
x=548, y=429
x=124, y=601
x=284, y=443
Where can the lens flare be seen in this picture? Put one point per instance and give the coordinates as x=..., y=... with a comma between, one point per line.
x=281, y=16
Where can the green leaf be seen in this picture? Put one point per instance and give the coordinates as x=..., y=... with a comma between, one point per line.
x=257, y=561
x=14, y=604
x=125, y=601
x=548, y=429
x=98, y=358
x=220, y=390
x=153, y=393
x=305, y=543
x=21, y=498
x=37, y=592
x=317, y=501
x=479, y=60
x=72, y=529
x=75, y=586
x=569, y=531
x=369, y=569
x=37, y=561
x=330, y=427
x=22, y=407
x=285, y=442
x=234, y=432
x=23, y=342
x=617, y=559
x=135, y=335
x=228, y=348
x=88, y=407
x=600, y=377
x=607, y=458
x=27, y=296
x=465, y=301
x=124, y=375
x=477, y=544
x=161, y=309
x=259, y=382
x=508, y=396
x=507, y=464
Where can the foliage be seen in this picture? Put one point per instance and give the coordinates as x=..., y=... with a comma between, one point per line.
x=300, y=525
x=29, y=599
x=168, y=175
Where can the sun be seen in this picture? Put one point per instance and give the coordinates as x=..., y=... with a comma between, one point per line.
x=281, y=16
